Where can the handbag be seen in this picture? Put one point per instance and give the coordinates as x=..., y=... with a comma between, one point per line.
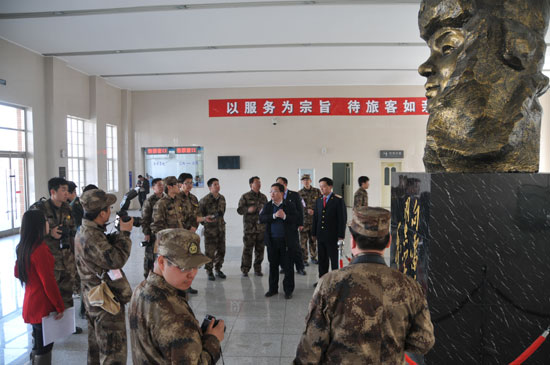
x=103, y=297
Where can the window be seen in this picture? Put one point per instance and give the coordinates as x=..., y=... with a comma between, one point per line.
x=112, y=157
x=75, y=152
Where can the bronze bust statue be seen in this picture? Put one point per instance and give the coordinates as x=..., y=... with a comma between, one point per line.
x=484, y=77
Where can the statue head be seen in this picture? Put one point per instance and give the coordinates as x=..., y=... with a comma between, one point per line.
x=484, y=76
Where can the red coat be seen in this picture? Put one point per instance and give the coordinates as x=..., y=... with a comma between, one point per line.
x=42, y=294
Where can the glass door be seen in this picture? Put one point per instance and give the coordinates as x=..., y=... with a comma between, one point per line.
x=13, y=193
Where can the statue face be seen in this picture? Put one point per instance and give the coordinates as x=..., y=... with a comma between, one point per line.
x=445, y=46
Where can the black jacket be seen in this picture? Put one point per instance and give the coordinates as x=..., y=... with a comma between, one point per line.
x=329, y=223
x=266, y=217
x=295, y=198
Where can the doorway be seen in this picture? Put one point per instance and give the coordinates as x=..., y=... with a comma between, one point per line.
x=13, y=167
x=342, y=176
x=387, y=169
x=13, y=197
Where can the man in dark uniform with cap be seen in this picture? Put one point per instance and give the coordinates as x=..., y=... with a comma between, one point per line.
x=329, y=225
x=163, y=327
x=366, y=312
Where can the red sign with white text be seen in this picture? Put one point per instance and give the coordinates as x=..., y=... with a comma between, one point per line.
x=317, y=106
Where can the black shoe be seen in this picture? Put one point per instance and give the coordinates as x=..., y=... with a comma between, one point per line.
x=258, y=273
x=302, y=272
x=77, y=331
x=305, y=263
x=191, y=291
x=282, y=271
x=288, y=296
x=220, y=274
x=245, y=274
x=270, y=294
x=211, y=276
x=314, y=261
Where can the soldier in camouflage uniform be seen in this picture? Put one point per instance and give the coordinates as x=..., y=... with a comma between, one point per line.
x=163, y=327
x=250, y=205
x=361, y=197
x=366, y=313
x=168, y=212
x=147, y=220
x=309, y=195
x=101, y=256
x=60, y=240
x=212, y=205
x=191, y=204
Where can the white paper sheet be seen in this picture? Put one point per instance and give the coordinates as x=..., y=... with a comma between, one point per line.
x=54, y=330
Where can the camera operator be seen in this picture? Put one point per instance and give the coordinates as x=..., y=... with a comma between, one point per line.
x=146, y=220
x=60, y=240
x=100, y=257
x=163, y=328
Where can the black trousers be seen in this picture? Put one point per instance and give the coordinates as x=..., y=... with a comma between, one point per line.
x=142, y=196
x=327, y=251
x=279, y=253
x=38, y=343
x=297, y=259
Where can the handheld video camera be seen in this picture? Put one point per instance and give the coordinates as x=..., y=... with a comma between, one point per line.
x=64, y=241
x=206, y=322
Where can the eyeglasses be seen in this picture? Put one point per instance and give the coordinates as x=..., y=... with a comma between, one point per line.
x=180, y=269
x=188, y=183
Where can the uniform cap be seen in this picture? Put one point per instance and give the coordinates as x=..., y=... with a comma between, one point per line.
x=170, y=180
x=181, y=247
x=305, y=176
x=371, y=221
x=96, y=199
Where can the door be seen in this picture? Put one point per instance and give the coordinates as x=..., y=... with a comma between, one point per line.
x=387, y=169
x=342, y=176
x=13, y=193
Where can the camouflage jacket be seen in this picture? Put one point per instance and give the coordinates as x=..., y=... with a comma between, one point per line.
x=96, y=254
x=191, y=207
x=147, y=213
x=365, y=313
x=210, y=205
x=164, y=329
x=57, y=216
x=360, y=198
x=252, y=220
x=309, y=196
x=78, y=211
x=168, y=213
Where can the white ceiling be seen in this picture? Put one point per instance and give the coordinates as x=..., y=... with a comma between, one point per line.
x=153, y=45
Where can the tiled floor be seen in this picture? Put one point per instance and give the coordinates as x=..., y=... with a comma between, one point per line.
x=259, y=330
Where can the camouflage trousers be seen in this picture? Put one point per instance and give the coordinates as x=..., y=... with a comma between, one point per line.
x=305, y=236
x=65, y=273
x=214, y=247
x=149, y=257
x=107, y=342
x=253, y=242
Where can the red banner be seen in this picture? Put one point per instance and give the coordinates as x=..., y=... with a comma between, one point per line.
x=316, y=106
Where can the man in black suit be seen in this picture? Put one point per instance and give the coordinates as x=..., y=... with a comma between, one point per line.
x=279, y=217
x=295, y=198
x=329, y=225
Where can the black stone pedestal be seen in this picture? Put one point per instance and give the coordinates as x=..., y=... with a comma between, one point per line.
x=480, y=246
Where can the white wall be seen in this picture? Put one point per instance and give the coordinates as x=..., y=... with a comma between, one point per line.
x=179, y=118
x=51, y=91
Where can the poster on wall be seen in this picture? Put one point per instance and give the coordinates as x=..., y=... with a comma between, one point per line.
x=172, y=161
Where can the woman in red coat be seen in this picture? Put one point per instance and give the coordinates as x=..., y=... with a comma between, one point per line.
x=34, y=268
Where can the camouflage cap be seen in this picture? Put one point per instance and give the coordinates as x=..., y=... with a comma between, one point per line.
x=170, y=180
x=371, y=221
x=181, y=247
x=305, y=176
x=96, y=199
